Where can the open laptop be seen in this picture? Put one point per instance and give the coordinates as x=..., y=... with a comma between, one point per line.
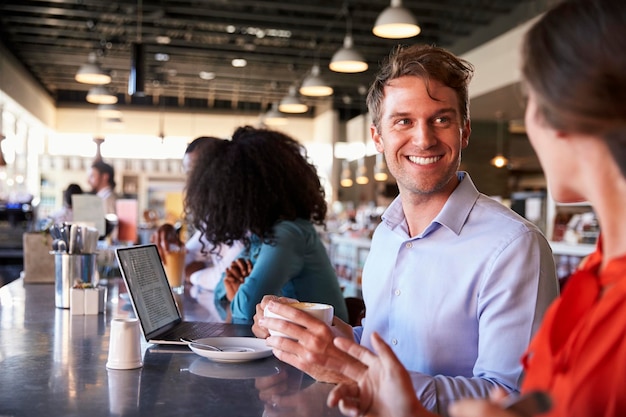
x=154, y=304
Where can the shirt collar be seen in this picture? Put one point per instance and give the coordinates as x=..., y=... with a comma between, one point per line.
x=104, y=192
x=453, y=215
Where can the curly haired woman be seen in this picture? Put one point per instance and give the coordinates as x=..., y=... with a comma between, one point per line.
x=260, y=189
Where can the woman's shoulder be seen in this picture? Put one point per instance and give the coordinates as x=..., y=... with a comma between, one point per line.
x=294, y=229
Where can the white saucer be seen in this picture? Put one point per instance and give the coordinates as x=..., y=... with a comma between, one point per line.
x=210, y=369
x=237, y=349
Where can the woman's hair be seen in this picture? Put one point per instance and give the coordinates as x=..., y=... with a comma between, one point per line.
x=574, y=62
x=195, y=144
x=247, y=184
x=69, y=192
x=428, y=63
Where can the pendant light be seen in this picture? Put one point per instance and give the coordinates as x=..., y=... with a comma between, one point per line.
x=380, y=170
x=291, y=103
x=109, y=111
x=346, y=175
x=314, y=86
x=101, y=95
x=499, y=161
x=361, y=173
x=396, y=22
x=347, y=59
x=274, y=117
x=91, y=73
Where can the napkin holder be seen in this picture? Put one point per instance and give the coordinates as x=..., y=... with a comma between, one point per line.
x=38, y=263
x=87, y=301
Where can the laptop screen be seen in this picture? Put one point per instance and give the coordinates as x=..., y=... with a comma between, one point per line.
x=149, y=289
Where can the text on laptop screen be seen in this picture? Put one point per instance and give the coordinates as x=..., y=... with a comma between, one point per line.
x=147, y=282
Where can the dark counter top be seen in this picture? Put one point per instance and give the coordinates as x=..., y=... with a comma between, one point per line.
x=52, y=363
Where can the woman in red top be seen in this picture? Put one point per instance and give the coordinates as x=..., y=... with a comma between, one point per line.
x=574, y=70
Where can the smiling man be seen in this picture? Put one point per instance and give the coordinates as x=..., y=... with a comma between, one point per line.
x=455, y=282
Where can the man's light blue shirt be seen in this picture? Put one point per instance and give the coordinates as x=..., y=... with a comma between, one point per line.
x=459, y=302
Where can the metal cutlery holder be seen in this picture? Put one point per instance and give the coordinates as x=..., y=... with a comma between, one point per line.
x=70, y=269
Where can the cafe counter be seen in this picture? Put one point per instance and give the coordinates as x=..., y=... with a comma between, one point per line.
x=53, y=363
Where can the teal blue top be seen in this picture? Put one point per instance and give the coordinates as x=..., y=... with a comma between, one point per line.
x=296, y=266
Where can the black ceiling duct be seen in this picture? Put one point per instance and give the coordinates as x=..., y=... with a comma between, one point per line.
x=137, y=78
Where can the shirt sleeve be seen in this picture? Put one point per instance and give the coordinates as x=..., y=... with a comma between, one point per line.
x=274, y=266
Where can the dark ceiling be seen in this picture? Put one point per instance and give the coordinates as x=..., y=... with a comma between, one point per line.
x=280, y=40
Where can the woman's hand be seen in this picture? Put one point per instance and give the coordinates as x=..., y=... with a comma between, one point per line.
x=163, y=237
x=382, y=385
x=236, y=275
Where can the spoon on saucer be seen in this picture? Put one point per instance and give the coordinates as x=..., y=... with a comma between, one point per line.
x=230, y=349
x=204, y=345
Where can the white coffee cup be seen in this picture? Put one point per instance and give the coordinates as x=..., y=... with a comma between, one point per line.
x=323, y=312
x=124, y=344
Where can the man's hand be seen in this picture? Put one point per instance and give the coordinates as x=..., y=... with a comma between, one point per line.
x=260, y=331
x=383, y=386
x=310, y=346
x=236, y=275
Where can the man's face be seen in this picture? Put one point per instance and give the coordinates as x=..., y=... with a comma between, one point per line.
x=96, y=180
x=421, y=137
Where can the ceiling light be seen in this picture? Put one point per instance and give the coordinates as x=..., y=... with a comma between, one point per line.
x=346, y=175
x=163, y=40
x=274, y=117
x=348, y=59
x=109, y=111
x=314, y=85
x=239, y=62
x=361, y=173
x=499, y=161
x=207, y=75
x=101, y=95
x=380, y=170
x=91, y=73
x=396, y=22
x=291, y=103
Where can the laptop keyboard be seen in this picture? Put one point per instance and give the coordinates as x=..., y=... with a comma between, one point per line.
x=195, y=330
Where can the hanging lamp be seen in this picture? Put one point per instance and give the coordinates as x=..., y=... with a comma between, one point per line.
x=347, y=59
x=499, y=161
x=380, y=170
x=101, y=95
x=396, y=22
x=109, y=111
x=314, y=85
x=92, y=73
x=346, y=175
x=274, y=117
x=361, y=173
x=291, y=103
